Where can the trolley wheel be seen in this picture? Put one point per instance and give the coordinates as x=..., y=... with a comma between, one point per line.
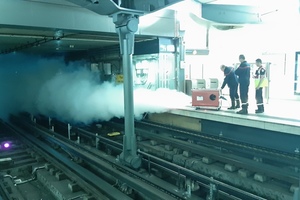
x=218, y=108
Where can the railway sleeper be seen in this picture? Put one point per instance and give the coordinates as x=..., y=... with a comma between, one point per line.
x=258, y=178
x=155, y=147
x=242, y=178
x=39, y=181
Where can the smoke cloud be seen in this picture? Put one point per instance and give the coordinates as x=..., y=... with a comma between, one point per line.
x=21, y=77
x=73, y=93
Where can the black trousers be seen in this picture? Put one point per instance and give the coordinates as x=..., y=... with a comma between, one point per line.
x=233, y=93
x=244, y=89
x=259, y=96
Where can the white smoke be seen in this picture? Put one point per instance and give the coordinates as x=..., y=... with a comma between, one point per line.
x=21, y=78
x=74, y=94
x=77, y=96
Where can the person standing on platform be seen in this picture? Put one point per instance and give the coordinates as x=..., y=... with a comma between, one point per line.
x=260, y=83
x=243, y=73
x=232, y=82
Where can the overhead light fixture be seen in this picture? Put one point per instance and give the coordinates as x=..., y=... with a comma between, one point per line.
x=71, y=46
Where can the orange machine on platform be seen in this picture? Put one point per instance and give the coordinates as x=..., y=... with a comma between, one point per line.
x=206, y=98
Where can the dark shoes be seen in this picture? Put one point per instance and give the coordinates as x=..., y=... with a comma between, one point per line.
x=259, y=111
x=234, y=104
x=243, y=112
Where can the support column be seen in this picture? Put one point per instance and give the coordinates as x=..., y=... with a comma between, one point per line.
x=126, y=26
x=181, y=68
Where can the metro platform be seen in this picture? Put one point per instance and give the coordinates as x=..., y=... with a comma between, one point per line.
x=280, y=115
x=277, y=129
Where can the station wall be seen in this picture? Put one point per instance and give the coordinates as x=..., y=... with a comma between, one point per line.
x=273, y=43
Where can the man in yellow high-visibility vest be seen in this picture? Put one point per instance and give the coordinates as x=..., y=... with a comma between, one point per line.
x=260, y=76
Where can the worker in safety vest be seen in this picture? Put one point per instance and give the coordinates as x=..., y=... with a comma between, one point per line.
x=260, y=82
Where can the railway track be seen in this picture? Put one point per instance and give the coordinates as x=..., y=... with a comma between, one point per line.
x=269, y=167
x=275, y=175
x=185, y=171
x=18, y=167
x=272, y=164
x=89, y=165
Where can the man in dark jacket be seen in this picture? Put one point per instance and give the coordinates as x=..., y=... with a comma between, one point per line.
x=231, y=81
x=243, y=73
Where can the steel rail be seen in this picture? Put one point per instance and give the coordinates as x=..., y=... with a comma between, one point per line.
x=201, y=178
x=238, y=161
x=179, y=170
x=161, y=163
x=107, y=189
x=269, y=170
x=231, y=144
x=109, y=167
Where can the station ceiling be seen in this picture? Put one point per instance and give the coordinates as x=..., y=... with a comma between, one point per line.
x=42, y=39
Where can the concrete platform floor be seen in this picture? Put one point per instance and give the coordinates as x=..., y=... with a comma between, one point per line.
x=279, y=115
x=288, y=109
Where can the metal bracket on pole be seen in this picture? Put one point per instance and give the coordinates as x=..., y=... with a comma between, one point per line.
x=126, y=26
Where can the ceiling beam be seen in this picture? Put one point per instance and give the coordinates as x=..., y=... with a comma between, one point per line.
x=109, y=7
x=38, y=15
x=52, y=16
x=231, y=14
